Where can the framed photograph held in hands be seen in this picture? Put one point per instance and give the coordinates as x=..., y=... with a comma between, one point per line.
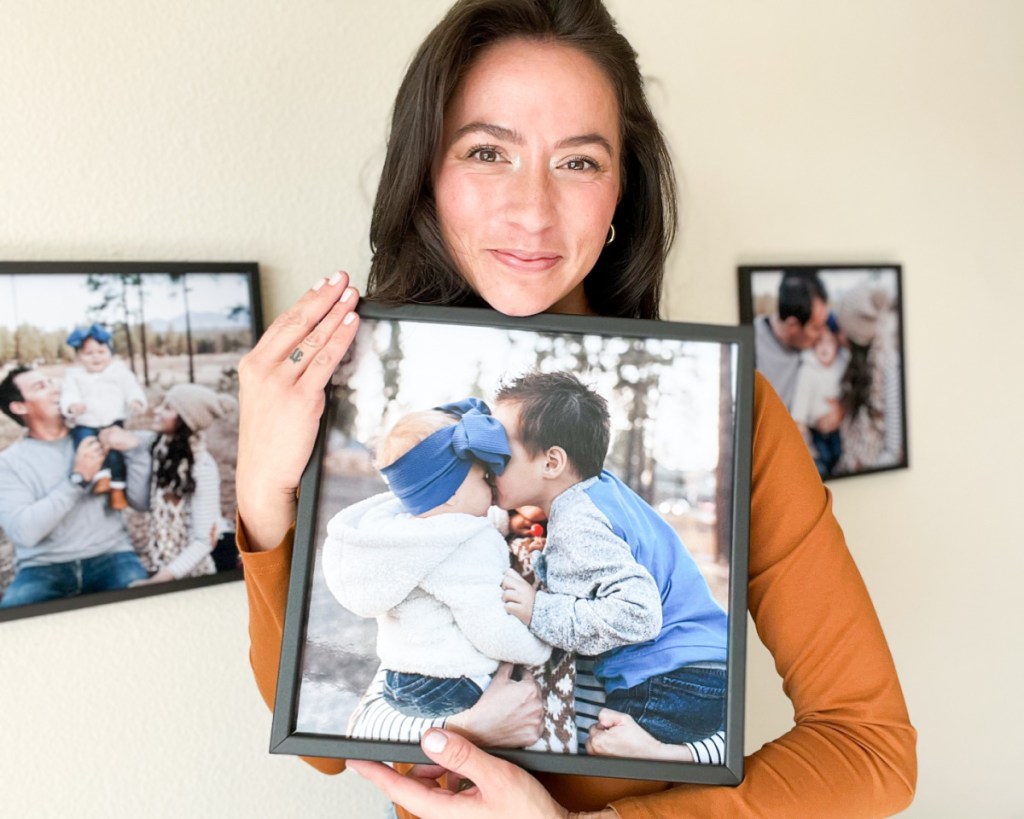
x=559, y=500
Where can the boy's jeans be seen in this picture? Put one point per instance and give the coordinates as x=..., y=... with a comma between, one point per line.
x=685, y=705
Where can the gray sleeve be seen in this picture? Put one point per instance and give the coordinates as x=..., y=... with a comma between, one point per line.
x=893, y=396
x=139, y=462
x=204, y=516
x=598, y=597
x=26, y=519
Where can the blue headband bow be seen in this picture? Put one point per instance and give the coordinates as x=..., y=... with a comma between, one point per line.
x=78, y=336
x=433, y=470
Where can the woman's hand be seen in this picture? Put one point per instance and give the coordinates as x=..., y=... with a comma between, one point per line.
x=509, y=714
x=495, y=788
x=281, y=399
x=617, y=734
x=162, y=576
x=118, y=438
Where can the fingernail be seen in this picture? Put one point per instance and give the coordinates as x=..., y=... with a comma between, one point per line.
x=348, y=294
x=349, y=318
x=335, y=278
x=319, y=283
x=435, y=741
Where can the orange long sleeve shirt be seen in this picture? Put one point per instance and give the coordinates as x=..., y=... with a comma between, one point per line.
x=851, y=751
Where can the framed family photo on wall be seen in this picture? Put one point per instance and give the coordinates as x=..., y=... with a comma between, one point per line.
x=829, y=338
x=119, y=428
x=559, y=498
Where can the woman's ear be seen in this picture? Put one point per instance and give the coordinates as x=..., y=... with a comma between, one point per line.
x=555, y=462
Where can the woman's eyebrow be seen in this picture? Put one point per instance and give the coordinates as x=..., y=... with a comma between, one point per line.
x=496, y=131
x=586, y=139
x=513, y=136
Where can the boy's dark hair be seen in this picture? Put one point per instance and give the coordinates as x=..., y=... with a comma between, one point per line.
x=10, y=393
x=557, y=409
x=797, y=293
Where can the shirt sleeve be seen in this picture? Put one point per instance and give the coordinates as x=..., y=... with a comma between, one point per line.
x=204, y=516
x=852, y=749
x=598, y=596
x=139, y=461
x=266, y=585
x=26, y=519
x=893, y=397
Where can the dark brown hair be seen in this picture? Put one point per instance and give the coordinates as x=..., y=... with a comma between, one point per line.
x=797, y=293
x=9, y=393
x=557, y=409
x=173, y=461
x=411, y=262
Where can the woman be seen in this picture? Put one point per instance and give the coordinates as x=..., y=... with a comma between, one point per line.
x=185, y=516
x=872, y=427
x=525, y=171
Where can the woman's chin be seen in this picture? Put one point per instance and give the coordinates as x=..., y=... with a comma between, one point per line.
x=529, y=303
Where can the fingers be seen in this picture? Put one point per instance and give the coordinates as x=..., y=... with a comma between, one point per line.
x=422, y=797
x=290, y=328
x=512, y=580
x=503, y=674
x=458, y=755
x=527, y=677
x=401, y=789
x=307, y=341
x=607, y=718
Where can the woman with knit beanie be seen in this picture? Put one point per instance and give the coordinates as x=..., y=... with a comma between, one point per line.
x=185, y=514
x=872, y=427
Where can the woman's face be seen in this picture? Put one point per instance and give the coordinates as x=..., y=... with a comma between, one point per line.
x=526, y=178
x=165, y=419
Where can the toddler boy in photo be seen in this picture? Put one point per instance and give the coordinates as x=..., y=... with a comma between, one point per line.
x=101, y=392
x=427, y=562
x=618, y=583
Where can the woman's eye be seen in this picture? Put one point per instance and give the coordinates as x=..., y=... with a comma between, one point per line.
x=581, y=163
x=484, y=154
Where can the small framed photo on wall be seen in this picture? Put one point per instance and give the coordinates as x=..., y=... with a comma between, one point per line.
x=119, y=428
x=560, y=496
x=829, y=338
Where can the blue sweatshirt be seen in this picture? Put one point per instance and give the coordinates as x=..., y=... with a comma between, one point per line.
x=621, y=587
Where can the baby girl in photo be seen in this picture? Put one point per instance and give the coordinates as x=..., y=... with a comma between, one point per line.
x=98, y=393
x=427, y=559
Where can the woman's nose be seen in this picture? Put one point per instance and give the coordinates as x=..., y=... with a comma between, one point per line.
x=532, y=204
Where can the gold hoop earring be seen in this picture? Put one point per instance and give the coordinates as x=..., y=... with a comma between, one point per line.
x=611, y=235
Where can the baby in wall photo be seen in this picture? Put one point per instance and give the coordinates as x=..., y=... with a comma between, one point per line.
x=100, y=392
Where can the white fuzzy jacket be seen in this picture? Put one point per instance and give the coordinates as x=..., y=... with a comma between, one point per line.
x=434, y=585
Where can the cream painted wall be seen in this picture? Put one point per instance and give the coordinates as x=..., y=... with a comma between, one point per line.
x=803, y=131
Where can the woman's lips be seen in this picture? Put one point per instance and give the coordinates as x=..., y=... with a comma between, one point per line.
x=527, y=262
